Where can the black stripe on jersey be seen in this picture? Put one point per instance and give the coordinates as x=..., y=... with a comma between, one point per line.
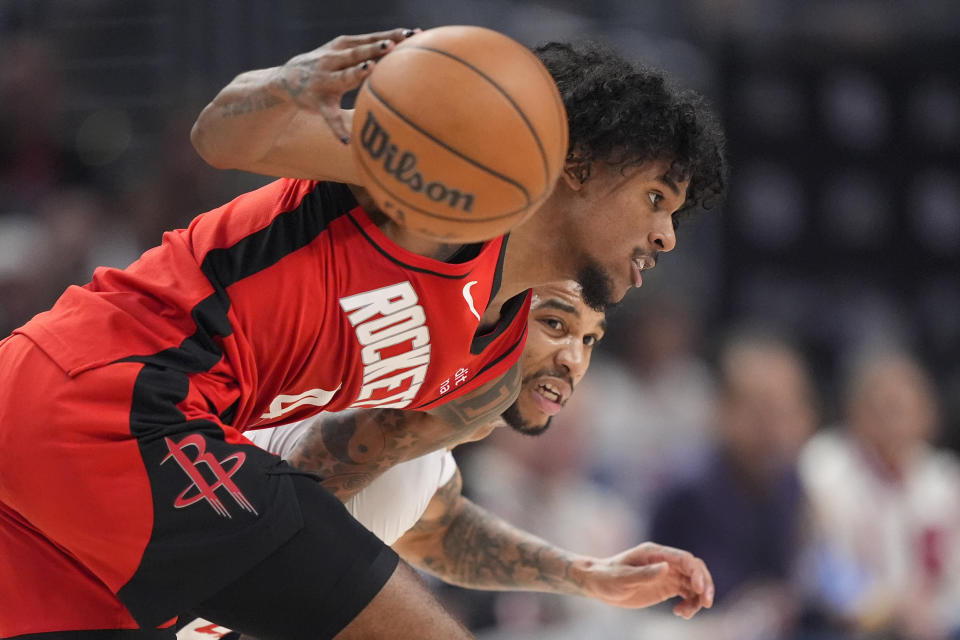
x=503, y=355
x=400, y=262
x=289, y=231
x=508, y=313
x=218, y=553
x=498, y=272
x=199, y=352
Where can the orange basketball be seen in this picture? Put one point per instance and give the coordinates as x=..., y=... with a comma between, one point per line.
x=459, y=133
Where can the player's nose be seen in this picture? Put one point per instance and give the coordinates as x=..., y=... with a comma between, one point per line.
x=663, y=237
x=573, y=358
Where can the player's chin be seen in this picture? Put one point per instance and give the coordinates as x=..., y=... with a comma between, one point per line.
x=535, y=429
x=523, y=418
x=532, y=420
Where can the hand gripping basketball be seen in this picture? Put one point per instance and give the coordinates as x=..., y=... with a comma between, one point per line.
x=459, y=134
x=318, y=79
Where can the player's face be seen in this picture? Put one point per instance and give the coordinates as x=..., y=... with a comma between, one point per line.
x=562, y=333
x=624, y=220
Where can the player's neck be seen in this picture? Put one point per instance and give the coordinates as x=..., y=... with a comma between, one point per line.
x=412, y=242
x=534, y=257
x=416, y=243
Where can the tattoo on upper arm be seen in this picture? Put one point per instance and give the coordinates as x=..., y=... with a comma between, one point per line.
x=483, y=405
x=348, y=450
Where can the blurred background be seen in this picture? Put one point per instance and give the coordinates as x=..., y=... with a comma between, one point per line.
x=782, y=397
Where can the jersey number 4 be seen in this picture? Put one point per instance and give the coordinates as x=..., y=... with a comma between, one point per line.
x=285, y=403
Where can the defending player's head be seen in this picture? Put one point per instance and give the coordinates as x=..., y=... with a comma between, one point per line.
x=562, y=332
x=642, y=153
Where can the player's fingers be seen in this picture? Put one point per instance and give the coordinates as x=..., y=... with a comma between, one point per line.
x=397, y=35
x=686, y=609
x=339, y=82
x=702, y=581
x=343, y=58
x=708, y=593
x=689, y=604
x=698, y=579
x=336, y=121
x=688, y=564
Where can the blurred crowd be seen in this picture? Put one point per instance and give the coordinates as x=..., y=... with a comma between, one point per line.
x=812, y=529
x=824, y=502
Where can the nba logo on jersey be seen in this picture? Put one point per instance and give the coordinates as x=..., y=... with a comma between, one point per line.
x=391, y=327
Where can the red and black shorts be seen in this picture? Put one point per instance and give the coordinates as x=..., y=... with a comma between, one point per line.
x=125, y=500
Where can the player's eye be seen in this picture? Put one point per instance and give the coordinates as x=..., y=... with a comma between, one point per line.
x=553, y=323
x=590, y=340
x=655, y=198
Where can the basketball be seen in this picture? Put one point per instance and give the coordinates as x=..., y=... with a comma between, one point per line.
x=459, y=133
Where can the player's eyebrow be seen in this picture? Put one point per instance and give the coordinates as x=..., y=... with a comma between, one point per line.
x=556, y=303
x=667, y=180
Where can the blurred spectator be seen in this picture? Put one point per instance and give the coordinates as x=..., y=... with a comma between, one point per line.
x=20, y=235
x=542, y=484
x=652, y=404
x=741, y=509
x=35, y=153
x=885, y=554
x=177, y=185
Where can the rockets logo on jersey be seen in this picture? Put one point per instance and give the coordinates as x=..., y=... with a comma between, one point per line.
x=391, y=328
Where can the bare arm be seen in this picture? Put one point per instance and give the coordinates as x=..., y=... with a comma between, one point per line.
x=287, y=121
x=464, y=544
x=349, y=450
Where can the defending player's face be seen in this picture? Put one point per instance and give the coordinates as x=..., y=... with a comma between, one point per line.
x=562, y=333
x=626, y=219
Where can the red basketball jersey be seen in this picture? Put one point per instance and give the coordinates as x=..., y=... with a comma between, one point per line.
x=287, y=301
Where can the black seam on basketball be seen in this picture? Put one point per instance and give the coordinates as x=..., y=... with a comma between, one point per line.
x=431, y=214
x=373, y=92
x=383, y=251
x=533, y=132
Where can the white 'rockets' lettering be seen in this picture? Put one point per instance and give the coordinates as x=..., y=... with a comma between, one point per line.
x=384, y=318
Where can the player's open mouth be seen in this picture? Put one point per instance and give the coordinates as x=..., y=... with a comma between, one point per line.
x=551, y=395
x=638, y=265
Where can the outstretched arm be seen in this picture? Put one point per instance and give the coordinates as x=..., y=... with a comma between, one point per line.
x=463, y=544
x=286, y=121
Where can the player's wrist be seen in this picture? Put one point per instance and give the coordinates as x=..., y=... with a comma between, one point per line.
x=581, y=575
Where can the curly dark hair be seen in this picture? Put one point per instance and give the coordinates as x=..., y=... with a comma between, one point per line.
x=625, y=115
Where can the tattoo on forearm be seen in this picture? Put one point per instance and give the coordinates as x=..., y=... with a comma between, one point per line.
x=250, y=104
x=482, y=551
x=484, y=405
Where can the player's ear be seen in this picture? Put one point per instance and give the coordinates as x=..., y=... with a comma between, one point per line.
x=576, y=170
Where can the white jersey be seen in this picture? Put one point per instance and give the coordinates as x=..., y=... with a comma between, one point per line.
x=388, y=506
x=392, y=503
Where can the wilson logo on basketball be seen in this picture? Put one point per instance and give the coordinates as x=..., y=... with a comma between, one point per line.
x=402, y=165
